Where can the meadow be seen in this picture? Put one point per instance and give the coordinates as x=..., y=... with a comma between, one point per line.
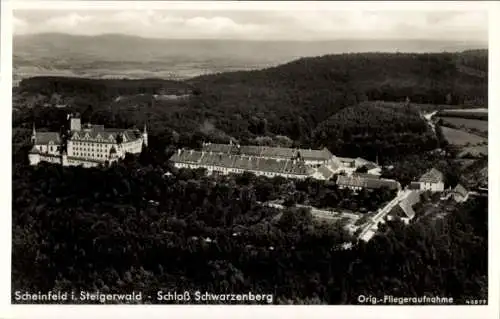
x=461, y=138
x=457, y=122
x=472, y=144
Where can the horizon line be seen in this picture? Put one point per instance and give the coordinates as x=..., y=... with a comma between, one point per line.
x=481, y=42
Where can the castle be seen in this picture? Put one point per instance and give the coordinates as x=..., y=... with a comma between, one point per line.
x=87, y=145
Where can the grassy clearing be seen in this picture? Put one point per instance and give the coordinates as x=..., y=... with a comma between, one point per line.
x=473, y=110
x=458, y=122
x=474, y=113
x=461, y=138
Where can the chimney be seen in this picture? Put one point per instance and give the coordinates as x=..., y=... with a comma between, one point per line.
x=178, y=151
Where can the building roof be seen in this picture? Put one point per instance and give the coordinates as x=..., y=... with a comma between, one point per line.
x=346, y=159
x=404, y=208
x=402, y=211
x=43, y=138
x=370, y=183
x=334, y=164
x=105, y=135
x=267, y=151
x=366, y=163
x=432, y=176
x=365, y=175
x=325, y=172
x=370, y=165
x=244, y=162
x=460, y=190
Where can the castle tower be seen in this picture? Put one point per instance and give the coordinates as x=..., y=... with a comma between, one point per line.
x=145, y=135
x=75, y=123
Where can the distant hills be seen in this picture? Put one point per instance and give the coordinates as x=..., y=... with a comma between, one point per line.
x=119, y=56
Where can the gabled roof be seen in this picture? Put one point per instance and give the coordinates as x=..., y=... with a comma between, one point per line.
x=325, y=172
x=432, y=176
x=267, y=151
x=43, y=138
x=98, y=133
x=334, y=164
x=402, y=211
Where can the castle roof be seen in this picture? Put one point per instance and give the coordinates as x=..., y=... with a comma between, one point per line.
x=244, y=162
x=432, y=176
x=267, y=151
x=43, y=138
x=101, y=134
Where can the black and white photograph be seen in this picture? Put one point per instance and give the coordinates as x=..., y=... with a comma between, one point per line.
x=225, y=154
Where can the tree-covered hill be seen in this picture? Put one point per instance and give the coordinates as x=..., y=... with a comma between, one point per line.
x=292, y=100
x=425, y=78
x=372, y=129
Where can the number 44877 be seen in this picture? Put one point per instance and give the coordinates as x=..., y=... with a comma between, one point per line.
x=476, y=302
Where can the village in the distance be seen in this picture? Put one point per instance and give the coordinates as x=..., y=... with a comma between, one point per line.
x=315, y=181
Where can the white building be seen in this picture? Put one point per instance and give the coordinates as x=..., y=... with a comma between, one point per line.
x=433, y=181
x=87, y=145
x=222, y=163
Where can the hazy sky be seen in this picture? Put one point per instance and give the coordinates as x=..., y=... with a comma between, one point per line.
x=260, y=25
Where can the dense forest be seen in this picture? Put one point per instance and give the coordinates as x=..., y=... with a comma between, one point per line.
x=370, y=130
x=130, y=228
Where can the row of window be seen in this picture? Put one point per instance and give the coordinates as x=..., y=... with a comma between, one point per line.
x=230, y=170
x=85, y=149
x=90, y=155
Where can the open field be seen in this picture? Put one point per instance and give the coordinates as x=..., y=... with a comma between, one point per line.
x=428, y=107
x=471, y=113
x=461, y=138
x=475, y=110
x=458, y=122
